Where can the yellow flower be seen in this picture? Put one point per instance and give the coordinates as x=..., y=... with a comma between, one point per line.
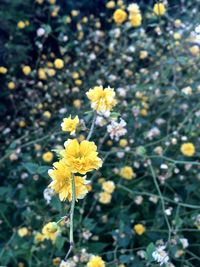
x=3, y=70
x=47, y=114
x=62, y=182
x=188, y=149
x=143, y=54
x=47, y=234
x=21, y=25
x=102, y=99
x=52, y=227
x=51, y=72
x=48, y=156
x=139, y=229
x=69, y=124
x=177, y=23
x=144, y=112
x=22, y=124
x=74, y=13
x=39, y=237
x=96, y=261
x=11, y=85
x=194, y=50
x=119, y=16
x=26, y=70
x=123, y=142
x=56, y=261
x=135, y=16
x=81, y=157
x=77, y=103
x=136, y=20
x=75, y=75
x=159, y=9
x=42, y=74
x=127, y=173
x=78, y=82
x=22, y=231
x=177, y=36
x=105, y=198
x=108, y=186
x=58, y=63
x=110, y=4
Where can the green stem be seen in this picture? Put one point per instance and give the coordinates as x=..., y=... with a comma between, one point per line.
x=92, y=127
x=162, y=201
x=71, y=234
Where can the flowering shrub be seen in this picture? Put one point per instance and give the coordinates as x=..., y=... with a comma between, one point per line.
x=100, y=124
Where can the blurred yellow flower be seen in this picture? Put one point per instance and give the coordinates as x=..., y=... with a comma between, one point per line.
x=74, y=13
x=11, y=85
x=110, y=4
x=58, y=63
x=51, y=72
x=22, y=124
x=136, y=20
x=127, y=173
x=69, y=124
x=56, y=261
x=47, y=114
x=143, y=54
x=52, y=227
x=21, y=24
x=194, y=50
x=22, y=231
x=47, y=234
x=159, y=9
x=77, y=103
x=42, y=74
x=78, y=82
x=177, y=23
x=135, y=16
x=105, y=197
x=188, y=149
x=102, y=99
x=75, y=75
x=62, y=182
x=96, y=261
x=139, y=229
x=39, y=237
x=108, y=186
x=26, y=70
x=123, y=142
x=119, y=16
x=81, y=157
x=48, y=156
x=3, y=70
x=177, y=36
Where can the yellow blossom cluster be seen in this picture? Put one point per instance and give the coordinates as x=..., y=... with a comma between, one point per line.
x=108, y=188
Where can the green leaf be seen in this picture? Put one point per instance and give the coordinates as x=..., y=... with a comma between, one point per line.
x=150, y=249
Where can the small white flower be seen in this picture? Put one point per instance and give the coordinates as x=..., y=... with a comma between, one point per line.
x=40, y=32
x=164, y=166
x=168, y=211
x=153, y=133
x=184, y=242
x=187, y=90
x=160, y=255
x=117, y=129
x=68, y=263
x=48, y=193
